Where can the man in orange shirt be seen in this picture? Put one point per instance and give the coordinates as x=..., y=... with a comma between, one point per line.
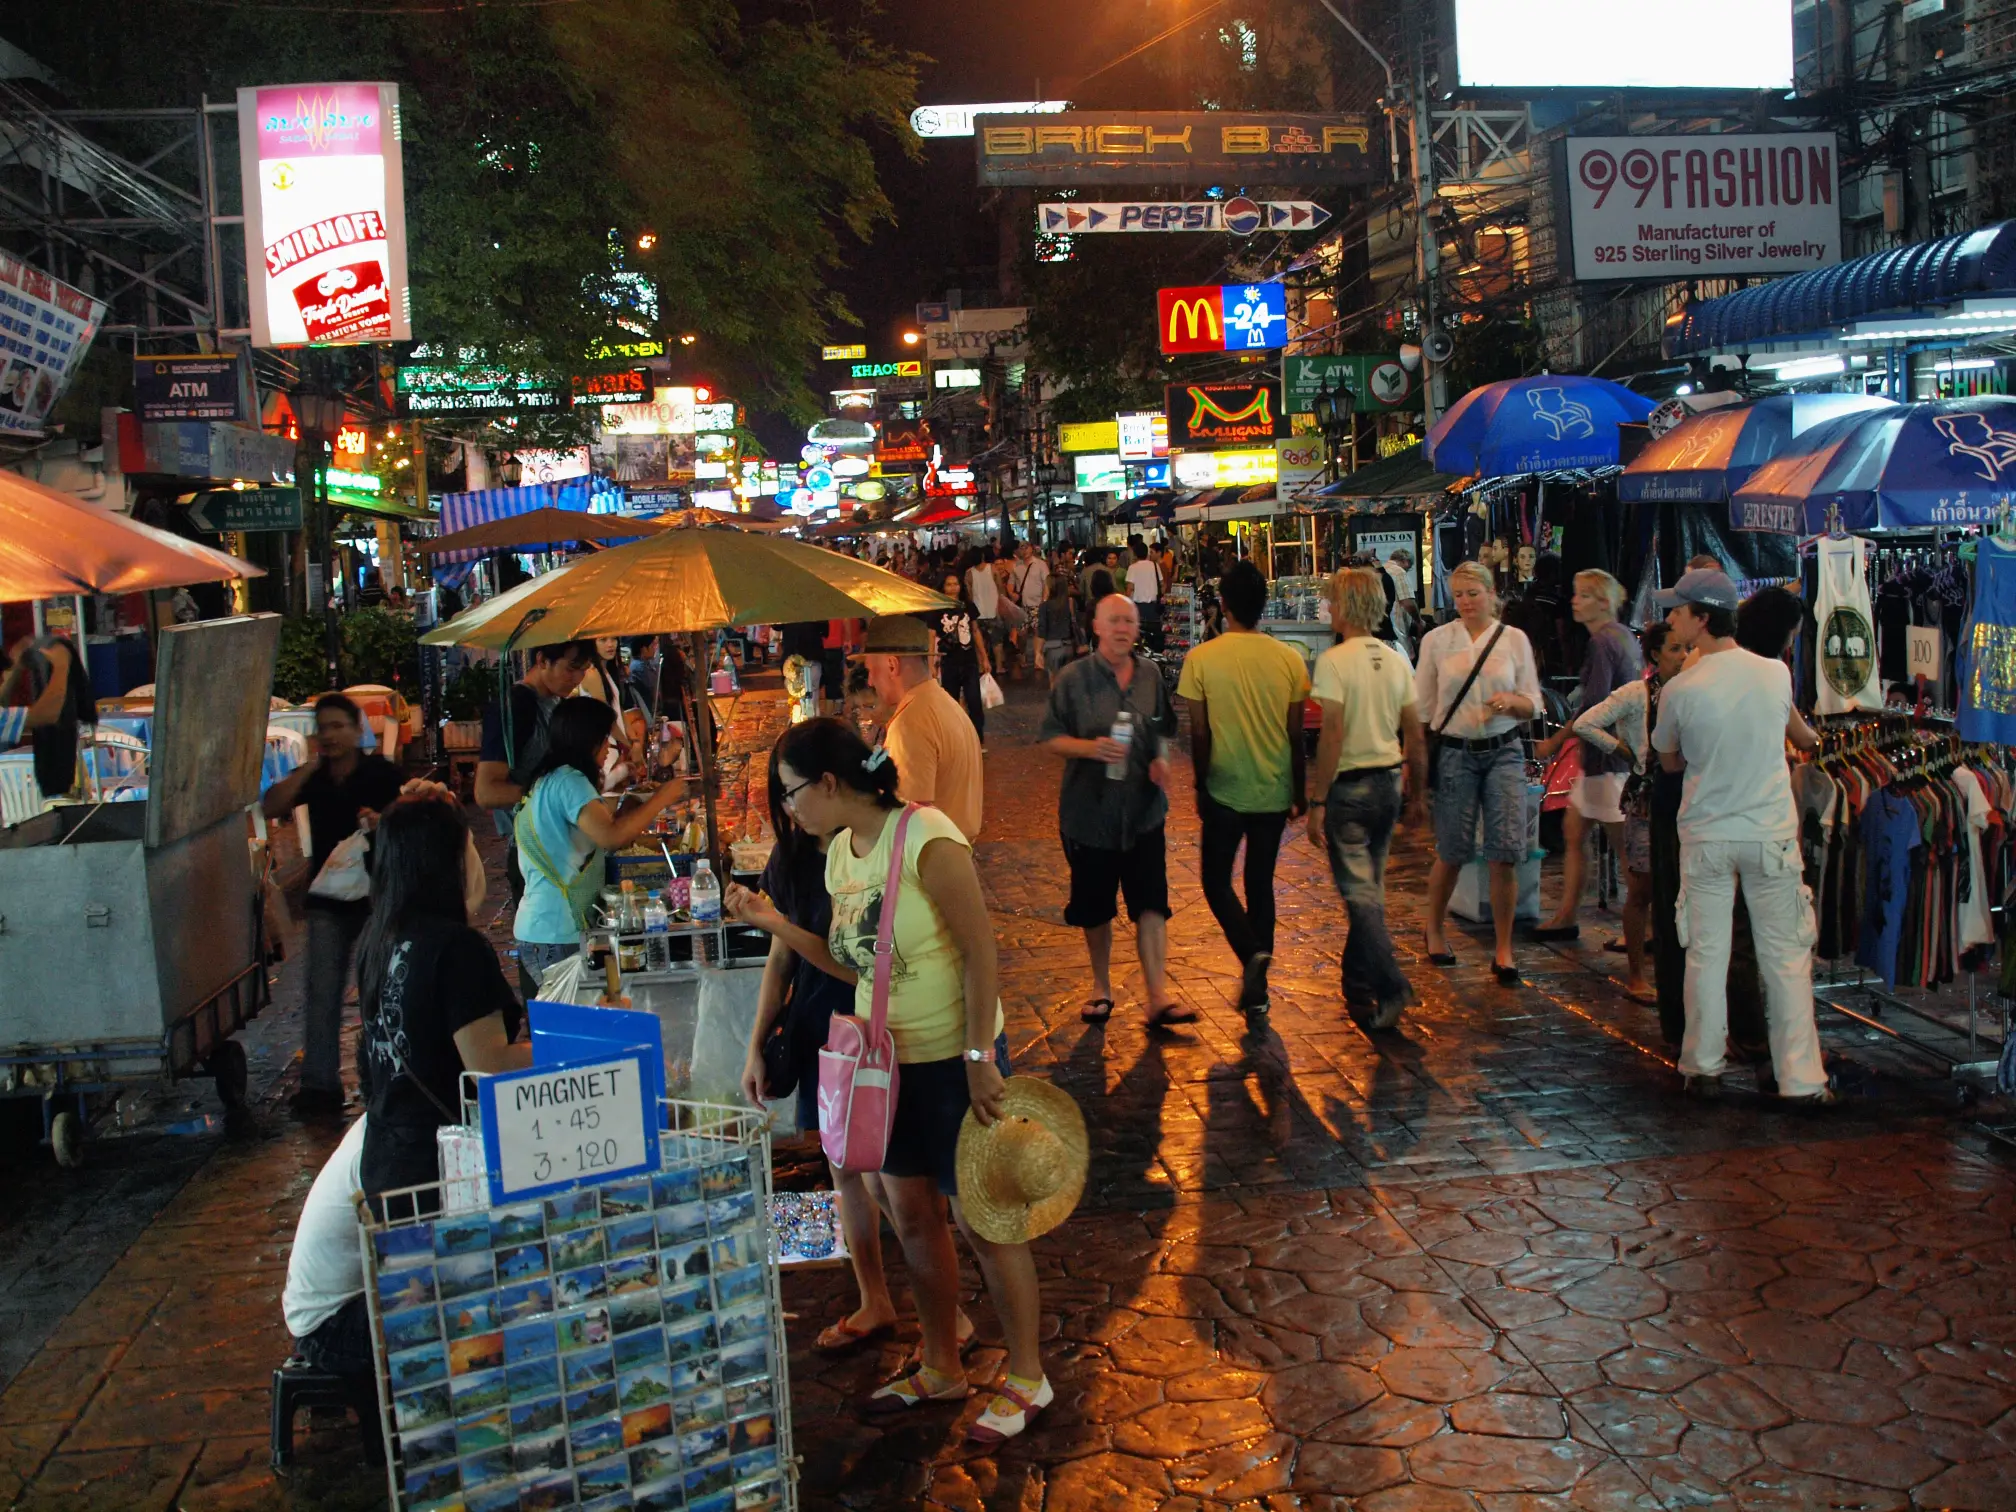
x=934, y=744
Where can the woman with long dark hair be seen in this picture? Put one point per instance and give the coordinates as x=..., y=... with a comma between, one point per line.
x=564, y=828
x=962, y=650
x=801, y=978
x=944, y=1014
x=432, y=997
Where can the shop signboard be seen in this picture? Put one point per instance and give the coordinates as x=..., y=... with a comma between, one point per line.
x=1200, y=147
x=535, y=466
x=714, y=417
x=673, y=411
x=618, y=351
x=852, y=352
x=325, y=214
x=1239, y=216
x=1222, y=414
x=1608, y=45
x=46, y=327
x=979, y=334
x=1722, y=206
x=1298, y=460
x=205, y=449
x=626, y=386
x=1100, y=473
x=431, y=390
x=199, y=386
x=1376, y=383
x=1088, y=436
x=903, y=441
x=1223, y=318
x=1225, y=469
x=246, y=509
x=869, y=371
x=956, y=378
x=933, y=121
x=1142, y=436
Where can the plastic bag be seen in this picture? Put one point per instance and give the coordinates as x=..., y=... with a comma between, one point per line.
x=991, y=696
x=345, y=877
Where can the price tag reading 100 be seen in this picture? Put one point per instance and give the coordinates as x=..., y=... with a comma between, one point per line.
x=559, y=1126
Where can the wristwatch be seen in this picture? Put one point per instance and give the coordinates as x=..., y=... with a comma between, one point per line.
x=981, y=1057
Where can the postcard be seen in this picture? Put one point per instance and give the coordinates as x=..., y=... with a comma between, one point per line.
x=528, y=1418
x=731, y=1212
x=420, y=1409
x=725, y=1179
x=405, y=1330
x=633, y=1311
x=634, y=1275
x=534, y=1378
x=428, y=1445
x=583, y=1247
x=401, y=1289
x=480, y=1392
x=732, y=1288
x=544, y=1491
x=520, y=1263
x=402, y=1248
x=750, y=1396
x=491, y=1430
x=599, y=1480
x=633, y=1236
x=501, y=1497
x=571, y=1210
x=465, y=1275
x=622, y=1198
x=462, y=1236
x=528, y=1341
x=517, y=1225
x=659, y=1496
x=646, y=1346
x=584, y=1330
x=703, y=1446
x=682, y=1224
x=542, y=1451
x=742, y=1325
x=417, y=1367
x=573, y=1288
x=649, y=1423
x=430, y=1482
x=595, y=1401
x=593, y=1439
x=593, y=1367
x=649, y=1461
x=526, y=1301
x=471, y=1315
x=749, y=1433
x=745, y=1360
x=691, y=1299
x=645, y=1388
x=705, y=1409
x=490, y=1465
x=696, y=1372
x=670, y=1188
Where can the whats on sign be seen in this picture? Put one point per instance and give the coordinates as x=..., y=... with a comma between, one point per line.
x=555, y=1127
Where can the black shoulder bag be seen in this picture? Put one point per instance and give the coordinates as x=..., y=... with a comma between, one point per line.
x=1435, y=735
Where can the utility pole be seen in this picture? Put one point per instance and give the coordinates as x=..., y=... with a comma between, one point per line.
x=1427, y=243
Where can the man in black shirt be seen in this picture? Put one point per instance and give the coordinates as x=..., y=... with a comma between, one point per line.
x=340, y=785
x=503, y=767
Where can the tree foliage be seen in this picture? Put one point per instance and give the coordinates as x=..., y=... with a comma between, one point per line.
x=540, y=141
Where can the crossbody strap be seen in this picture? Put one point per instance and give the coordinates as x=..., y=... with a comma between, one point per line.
x=885, y=930
x=1471, y=681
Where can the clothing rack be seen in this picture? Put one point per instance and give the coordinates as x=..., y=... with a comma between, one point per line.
x=1895, y=741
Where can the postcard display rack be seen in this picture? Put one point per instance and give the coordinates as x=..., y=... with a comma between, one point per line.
x=616, y=1343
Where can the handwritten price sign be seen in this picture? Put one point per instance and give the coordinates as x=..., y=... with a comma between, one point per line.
x=556, y=1127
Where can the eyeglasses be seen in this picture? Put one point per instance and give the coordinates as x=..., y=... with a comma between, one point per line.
x=789, y=797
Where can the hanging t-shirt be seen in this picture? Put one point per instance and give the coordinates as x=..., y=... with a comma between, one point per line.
x=1891, y=831
x=1988, y=649
x=1975, y=926
x=1847, y=629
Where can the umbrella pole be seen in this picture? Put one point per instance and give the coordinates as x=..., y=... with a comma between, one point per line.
x=703, y=748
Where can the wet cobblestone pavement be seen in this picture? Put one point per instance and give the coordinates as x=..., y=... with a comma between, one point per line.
x=1492, y=1262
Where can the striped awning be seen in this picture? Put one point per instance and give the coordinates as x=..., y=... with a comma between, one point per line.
x=459, y=511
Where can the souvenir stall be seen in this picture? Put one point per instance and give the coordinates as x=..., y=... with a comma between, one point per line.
x=1905, y=568
x=658, y=923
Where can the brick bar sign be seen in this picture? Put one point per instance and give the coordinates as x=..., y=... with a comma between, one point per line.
x=1672, y=207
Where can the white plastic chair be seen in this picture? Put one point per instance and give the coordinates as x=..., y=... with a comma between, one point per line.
x=20, y=794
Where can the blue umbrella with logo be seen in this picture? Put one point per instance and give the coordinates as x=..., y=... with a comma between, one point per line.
x=1554, y=423
x=1940, y=462
x=1706, y=458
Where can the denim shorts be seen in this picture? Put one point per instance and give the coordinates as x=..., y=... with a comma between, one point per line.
x=1491, y=781
x=931, y=1103
x=539, y=959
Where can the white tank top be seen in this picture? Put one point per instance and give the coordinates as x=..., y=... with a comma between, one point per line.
x=1846, y=630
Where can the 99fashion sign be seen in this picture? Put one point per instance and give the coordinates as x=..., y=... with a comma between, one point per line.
x=1703, y=206
x=325, y=214
x=1222, y=414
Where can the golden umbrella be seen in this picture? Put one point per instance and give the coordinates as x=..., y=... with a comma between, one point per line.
x=688, y=518
x=53, y=545
x=686, y=580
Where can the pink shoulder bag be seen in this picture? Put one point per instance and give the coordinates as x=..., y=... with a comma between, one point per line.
x=857, y=1069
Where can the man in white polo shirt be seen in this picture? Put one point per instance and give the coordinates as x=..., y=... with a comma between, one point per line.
x=1725, y=721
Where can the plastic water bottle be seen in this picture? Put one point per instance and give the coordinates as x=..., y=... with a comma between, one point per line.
x=1123, y=732
x=657, y=934
x=706, y=905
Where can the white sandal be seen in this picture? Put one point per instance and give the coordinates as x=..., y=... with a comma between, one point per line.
x=1010, y=1412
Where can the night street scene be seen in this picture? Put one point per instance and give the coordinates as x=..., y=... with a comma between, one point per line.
x=1214, y=755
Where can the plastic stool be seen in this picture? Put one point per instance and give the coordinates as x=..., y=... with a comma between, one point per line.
x=298, y=1385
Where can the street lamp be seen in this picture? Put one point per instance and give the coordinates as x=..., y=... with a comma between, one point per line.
x=320, y=415
x=911, y=338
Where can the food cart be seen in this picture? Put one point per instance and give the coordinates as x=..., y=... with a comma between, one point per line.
x=132, y=944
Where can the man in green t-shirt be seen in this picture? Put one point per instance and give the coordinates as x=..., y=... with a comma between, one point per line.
x=1246, y=692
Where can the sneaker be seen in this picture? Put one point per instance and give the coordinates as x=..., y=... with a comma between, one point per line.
x=1011, y=1411
x=1253, y=984
x=1702, y=1088
x=1812, y=1102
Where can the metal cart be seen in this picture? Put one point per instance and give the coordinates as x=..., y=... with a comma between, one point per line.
x=132, y=944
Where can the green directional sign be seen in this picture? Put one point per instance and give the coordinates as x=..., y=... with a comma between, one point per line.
x=230, y=509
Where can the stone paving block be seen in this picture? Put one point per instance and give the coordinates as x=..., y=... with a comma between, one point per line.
x=57, y=1384
x=1508, y=1415
x=1481, y=1463
x=142, y=1479
x=139, y=1407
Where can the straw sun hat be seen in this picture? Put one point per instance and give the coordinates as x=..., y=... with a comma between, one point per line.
x=1022, y=1176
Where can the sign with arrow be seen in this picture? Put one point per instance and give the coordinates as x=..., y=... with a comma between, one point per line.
x=232, y=509
x=1240, y=217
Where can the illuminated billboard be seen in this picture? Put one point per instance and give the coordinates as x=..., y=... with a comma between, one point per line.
x=1624, y=44
x=325, y=214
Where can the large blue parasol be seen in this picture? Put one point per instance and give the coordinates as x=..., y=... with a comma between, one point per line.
x=1706, y=458
x=1554, y=423
x=1941, y=462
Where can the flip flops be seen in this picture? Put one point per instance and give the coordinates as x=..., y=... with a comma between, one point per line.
x=1097, y=1011
x=1171, y=1014
x=843, y=1338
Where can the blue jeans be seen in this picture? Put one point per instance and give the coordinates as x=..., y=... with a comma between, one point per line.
x=1493, y=781
x=1358, y=819
x=539, y=959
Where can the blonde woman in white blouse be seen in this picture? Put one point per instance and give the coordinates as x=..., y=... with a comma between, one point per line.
x=1482, y=766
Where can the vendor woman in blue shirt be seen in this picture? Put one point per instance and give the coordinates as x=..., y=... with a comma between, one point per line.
x=17, y=721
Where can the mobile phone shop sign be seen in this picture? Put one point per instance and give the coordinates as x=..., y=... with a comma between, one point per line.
x=1667, y=207
x=556, y=1127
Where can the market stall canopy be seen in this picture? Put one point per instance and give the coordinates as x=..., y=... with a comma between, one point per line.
x=1229, y=504
x=1405, y=479
x=1706, y=458
x=683, y=580
x=54, y=544
x=538, y=530
x=1554, y=423
x=1909, y=467
x=688, y=519
x=1957, y=276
